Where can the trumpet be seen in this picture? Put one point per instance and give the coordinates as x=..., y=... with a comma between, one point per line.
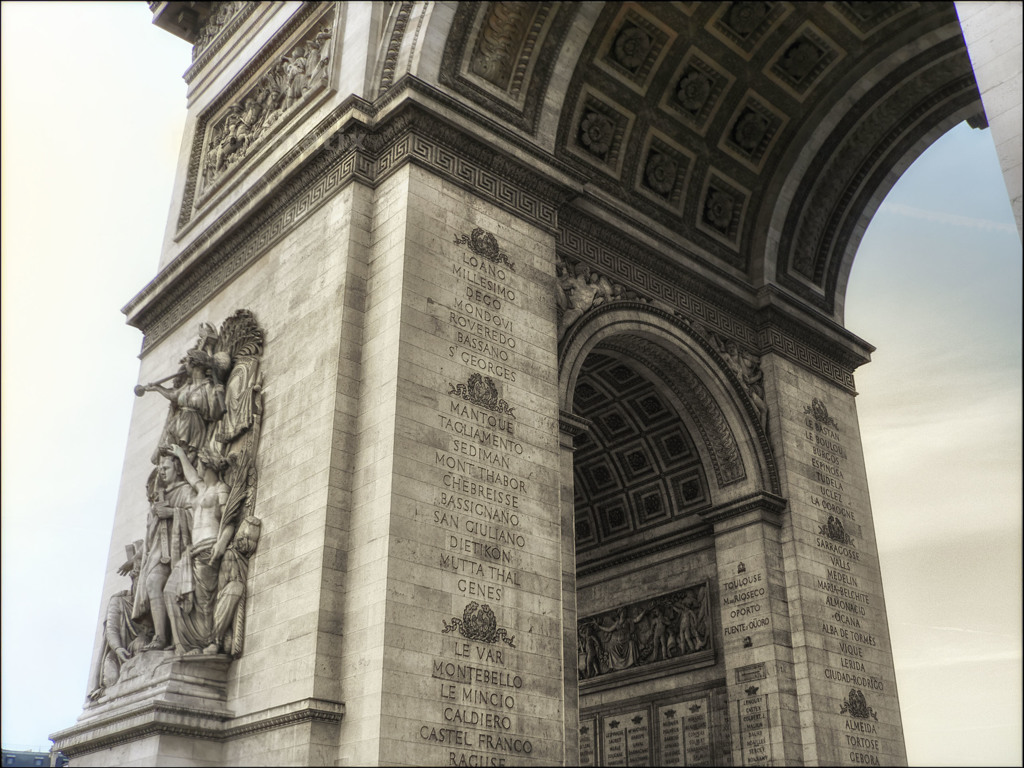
x=140, y=390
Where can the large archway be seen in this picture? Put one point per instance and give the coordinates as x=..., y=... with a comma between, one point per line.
x=671, y=444
x=571, y=280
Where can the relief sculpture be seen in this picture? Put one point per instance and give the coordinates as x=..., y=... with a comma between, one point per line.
x=189, y=571
x=249, y=118
x=667, y=627
x=123, y=637
x=746, y=366
x=580, y=289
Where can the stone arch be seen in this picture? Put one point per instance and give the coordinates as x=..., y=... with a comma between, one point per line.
x=673, y=353
x=785, y=210
x=847, y=160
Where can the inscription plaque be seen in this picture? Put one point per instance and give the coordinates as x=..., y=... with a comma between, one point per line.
x=484, y=512
x=626, y=738
x=670, y=733
x=684, y=732
x=588, y=741
x=848, y=597
x=638, y=739
x=613, y=740
x=753, y=720
x=696, y=732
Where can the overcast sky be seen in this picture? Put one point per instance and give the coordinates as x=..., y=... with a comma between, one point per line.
x=93, y=105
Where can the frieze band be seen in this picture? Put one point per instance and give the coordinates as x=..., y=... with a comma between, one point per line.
x=359, y=152
x=672, y=626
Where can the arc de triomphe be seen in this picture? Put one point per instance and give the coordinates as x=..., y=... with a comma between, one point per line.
x=496, y=404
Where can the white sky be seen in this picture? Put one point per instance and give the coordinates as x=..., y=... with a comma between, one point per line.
x=93, y=106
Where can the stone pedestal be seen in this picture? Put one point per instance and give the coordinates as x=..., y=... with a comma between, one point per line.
x=160, y=703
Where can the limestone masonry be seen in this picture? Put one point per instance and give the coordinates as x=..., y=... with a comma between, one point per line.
x=495, y=403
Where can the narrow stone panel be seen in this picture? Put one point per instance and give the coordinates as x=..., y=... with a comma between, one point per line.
x=475, y=648
x=841, y=635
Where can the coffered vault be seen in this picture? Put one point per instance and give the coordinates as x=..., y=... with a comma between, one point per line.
x=758, y=138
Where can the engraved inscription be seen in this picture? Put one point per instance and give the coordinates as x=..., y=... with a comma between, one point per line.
x=753, y=720
x=842, y=581
x=481, y=493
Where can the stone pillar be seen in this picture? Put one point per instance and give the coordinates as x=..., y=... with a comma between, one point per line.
x=992, y=32
x=457, y=504
x=570, y=426
x=756, y=631
x=843, y=665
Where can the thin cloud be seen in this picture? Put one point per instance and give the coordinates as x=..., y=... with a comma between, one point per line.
x=958, y=660
x=912, y=212
x=959, y=629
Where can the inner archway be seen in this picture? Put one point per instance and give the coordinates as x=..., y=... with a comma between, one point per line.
x=656, y=465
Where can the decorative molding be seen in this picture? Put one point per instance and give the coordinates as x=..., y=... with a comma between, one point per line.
x=834, y=529
x=401, y=20
x=854, y=160
x=495, y=56
x=573, y=425
x=819, y=412
x=639, y=550
x=867, y=18
x=479, y=623
x=702, y=406
x=225, y=18
x=304, y=710
x=768, y=507
x=167, y=718
x=410, y=134
x=584, y=238
x=138, y=722
x=856, y=705
x=482, y=391
x=485, y=245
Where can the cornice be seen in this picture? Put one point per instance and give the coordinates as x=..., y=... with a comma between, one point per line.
x=367, y=142
x=211, y=50
x=630, y=550
x=760, y=507
x=757, y=323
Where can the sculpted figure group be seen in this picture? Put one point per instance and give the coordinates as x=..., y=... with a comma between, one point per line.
x=189, y=571
x=280, y=89
x=666, y=627
x=580, y=289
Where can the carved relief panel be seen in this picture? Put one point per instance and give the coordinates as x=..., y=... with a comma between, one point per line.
x=282, y=83
x=671, y=627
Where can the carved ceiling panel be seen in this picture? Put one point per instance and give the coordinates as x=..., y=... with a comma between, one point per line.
x=637, y=468
x=694, y=113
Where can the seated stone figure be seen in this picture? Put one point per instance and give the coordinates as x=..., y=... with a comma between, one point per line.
x=123, y=637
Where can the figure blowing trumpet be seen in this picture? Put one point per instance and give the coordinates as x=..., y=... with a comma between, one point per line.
x=141, y=389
